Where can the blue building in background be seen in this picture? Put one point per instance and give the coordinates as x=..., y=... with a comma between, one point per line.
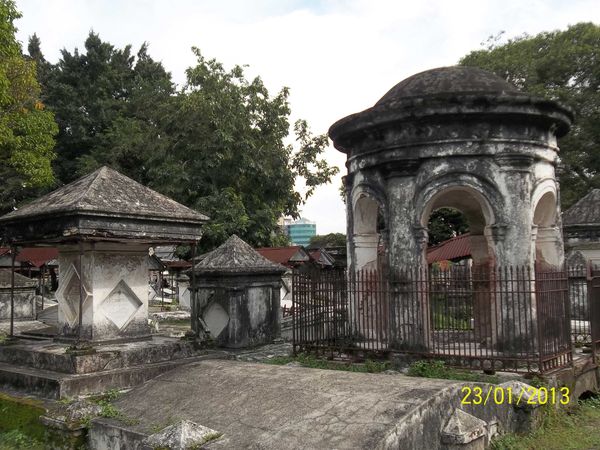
x=300, y=231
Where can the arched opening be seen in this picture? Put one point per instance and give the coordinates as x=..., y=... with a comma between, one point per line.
x=368, y=233
x=477, y=214
x=368, y=310
x=545, y=233
x=459, y=299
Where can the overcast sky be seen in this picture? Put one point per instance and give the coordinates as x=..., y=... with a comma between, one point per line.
x=337, y=57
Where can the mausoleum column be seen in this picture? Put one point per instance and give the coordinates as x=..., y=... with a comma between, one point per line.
x=408, y=309
x=365, y=250
x=514, y=248
x=549, y=250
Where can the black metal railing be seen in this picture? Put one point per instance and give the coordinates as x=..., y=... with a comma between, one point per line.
x=513, y=318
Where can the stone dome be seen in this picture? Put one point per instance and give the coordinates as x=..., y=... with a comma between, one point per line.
x=453, y=96
x=449, y=80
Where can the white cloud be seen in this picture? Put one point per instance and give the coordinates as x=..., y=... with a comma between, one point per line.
x=338, y=57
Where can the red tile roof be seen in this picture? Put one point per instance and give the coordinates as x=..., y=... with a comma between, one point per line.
x=37, y=256
x=4, y=250
x=288, y=256
x=457, y=247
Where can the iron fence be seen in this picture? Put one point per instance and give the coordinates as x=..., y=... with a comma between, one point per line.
x=511, y=318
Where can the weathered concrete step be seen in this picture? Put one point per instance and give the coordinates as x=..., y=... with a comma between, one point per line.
x=56, y=385
x=55, y=357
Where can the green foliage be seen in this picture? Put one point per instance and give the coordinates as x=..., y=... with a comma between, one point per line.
x=559, y=429
x=216, y=145
x=328, y=240
x=438, y=369
x=26, y=128
x=563, y=66
x=308, y=360
x=17, y=439
x=19, y=423
x=445, y=223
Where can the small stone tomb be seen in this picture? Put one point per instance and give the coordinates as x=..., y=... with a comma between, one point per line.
x=24, y=296
x=237, y=295
x=103, y=225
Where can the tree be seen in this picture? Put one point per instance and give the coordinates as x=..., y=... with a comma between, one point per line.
x=563, y=66
x=216, y=145
x=227, y=155
x=445, y=223
x=106, y=102
x=328, y=240
x=26, y=128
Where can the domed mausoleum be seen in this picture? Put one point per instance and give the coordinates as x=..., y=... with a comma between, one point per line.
x=457, y=137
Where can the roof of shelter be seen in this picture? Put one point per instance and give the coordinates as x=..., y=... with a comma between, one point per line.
x=236, y=256
x=585, y=212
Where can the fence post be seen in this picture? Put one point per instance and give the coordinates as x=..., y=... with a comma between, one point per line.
x=591, y=290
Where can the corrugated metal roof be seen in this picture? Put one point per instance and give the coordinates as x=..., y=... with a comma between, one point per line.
x=37, y=256
x=288, y=256
x=457, y=247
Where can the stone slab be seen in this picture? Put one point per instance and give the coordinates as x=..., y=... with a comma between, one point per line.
x=273, y=407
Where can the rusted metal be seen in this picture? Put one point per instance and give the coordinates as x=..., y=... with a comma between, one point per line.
x=509, y=318
x=81, y=295
x=593, y=296
x=12, y=291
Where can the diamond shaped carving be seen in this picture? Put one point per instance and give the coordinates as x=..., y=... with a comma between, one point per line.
x=67, y=295
x=120, y=305
x=216, y=319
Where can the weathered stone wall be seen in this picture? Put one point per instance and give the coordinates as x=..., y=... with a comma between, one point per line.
x=240, y=312
x=115, y=291
x=24, y=301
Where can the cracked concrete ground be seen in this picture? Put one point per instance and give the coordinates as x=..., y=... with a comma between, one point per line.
x=279, y=407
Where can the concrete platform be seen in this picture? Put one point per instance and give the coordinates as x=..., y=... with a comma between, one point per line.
x=282, y=407
x=48, y=369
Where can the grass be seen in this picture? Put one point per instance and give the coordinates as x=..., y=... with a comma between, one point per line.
x=175, y=322
x=20, y=427
x=109, y=410
x=445, y=322
x=438, y=369
x=559, y=430
x=307, y=360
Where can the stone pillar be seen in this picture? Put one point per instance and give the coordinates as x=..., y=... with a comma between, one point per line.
x=409, y=310
x=114, y=282
x=514, y=248
x=365, y=250
x=549, y=250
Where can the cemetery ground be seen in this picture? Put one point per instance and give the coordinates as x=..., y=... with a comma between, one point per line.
x=575, y=427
